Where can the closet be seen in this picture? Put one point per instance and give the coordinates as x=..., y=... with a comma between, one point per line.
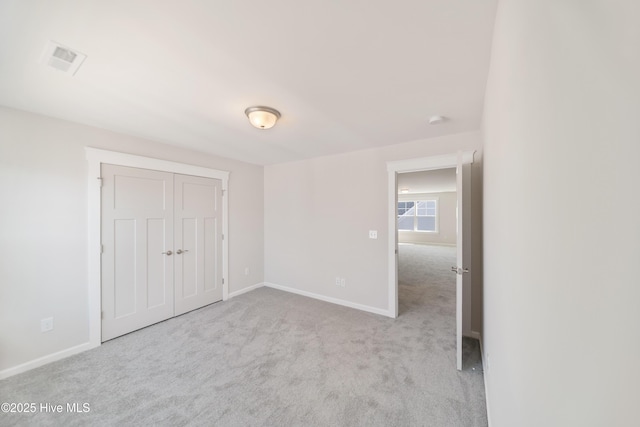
x=161, y=236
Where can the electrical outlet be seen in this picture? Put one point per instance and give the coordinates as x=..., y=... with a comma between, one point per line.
x=373, y=234
x=343, y=282
x=246, y=271
x=337, y=281
x=46, y=325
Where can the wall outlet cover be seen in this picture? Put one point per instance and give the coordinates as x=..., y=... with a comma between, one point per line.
x=46, y=325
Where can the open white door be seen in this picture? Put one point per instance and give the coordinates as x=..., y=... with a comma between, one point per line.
x=463, y=285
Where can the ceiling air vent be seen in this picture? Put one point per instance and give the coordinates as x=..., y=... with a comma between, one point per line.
x=62, y=58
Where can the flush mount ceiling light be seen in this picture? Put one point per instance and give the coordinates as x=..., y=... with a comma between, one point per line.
x=262, y=117
x=404, y=190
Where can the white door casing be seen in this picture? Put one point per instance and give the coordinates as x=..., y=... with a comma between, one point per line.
x=97, y=157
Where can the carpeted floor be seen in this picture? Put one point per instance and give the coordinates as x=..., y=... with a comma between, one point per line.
x=270, y=358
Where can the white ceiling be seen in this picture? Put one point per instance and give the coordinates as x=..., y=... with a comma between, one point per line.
x=346, y=75
x=433, y=181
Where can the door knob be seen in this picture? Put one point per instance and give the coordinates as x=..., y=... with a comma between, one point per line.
x=168, y=253
x=179, y=251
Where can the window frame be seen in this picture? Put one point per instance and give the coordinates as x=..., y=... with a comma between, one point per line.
x=416, y=201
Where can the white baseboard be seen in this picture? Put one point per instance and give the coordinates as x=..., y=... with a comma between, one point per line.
x=451, y=245
x=36, y=363
x=245, y=290
x=330, y=299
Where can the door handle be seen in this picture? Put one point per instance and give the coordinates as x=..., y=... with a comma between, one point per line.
x=459, y=270
x=168, y=253
x=179, y=251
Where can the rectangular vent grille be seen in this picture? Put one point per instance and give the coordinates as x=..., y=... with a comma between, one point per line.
x=64, y=54
x=62, y=58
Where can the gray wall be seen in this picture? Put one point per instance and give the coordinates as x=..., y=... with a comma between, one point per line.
x=561, y=319
x=43, y=227
x=318, y=213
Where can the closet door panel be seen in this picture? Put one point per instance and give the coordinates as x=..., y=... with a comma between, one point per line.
x=137, y=237
x=198, y=237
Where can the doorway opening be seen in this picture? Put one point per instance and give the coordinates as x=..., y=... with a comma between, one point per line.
x=461, y=161
x=426, y=223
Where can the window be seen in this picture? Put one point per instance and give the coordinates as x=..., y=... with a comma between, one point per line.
x=419, y=215
x=405, y=216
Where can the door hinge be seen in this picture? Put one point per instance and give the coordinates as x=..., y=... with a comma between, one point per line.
x=102, y=314
x=223, y=280
x=100, y=181
x=459, y=270
x=223, y=237
x=223, y=191
x=101, y=249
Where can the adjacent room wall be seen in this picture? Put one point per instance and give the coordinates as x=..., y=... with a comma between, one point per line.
x=446, y=219
x=43, y=227
x=318, y=214
x=561, y=318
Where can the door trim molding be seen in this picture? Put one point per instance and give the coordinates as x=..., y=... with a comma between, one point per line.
x=402, y=166
x=96, y=157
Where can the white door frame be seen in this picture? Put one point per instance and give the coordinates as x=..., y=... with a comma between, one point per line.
x=96, y=157
x=402, y=166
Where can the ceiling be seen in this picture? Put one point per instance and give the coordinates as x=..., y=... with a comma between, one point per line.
x=431, y=181
x=346, y=75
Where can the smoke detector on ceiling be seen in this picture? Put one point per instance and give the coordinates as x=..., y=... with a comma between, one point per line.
x=436, y=120
x=62, y=58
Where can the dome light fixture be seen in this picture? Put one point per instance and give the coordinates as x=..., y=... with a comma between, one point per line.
x=262, y=117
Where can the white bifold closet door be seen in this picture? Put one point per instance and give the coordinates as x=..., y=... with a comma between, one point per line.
x=162, y=246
